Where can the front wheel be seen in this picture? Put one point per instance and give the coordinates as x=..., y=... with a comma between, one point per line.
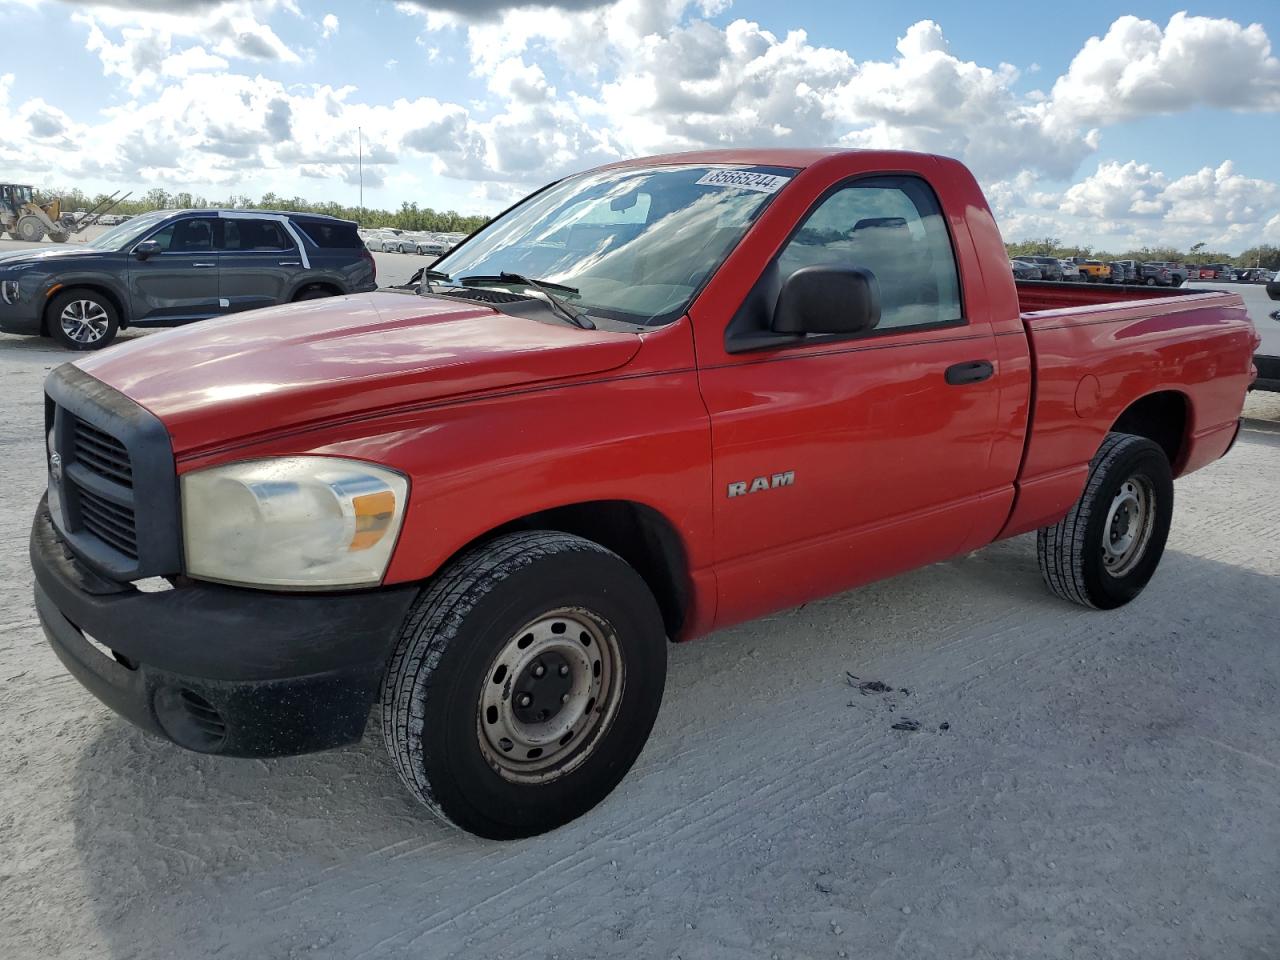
x=30, y=229
x=1106, y=549
x=525, y=683
x=82, y=320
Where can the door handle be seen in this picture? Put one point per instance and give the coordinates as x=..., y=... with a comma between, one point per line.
x=204, y=264
x=290, y=263
x=971, y=371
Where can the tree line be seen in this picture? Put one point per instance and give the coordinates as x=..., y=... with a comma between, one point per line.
x=409, y=217
x=1264, y=255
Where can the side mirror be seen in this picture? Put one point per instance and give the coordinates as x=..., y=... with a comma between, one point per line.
x=147, y=248
x=828, y=299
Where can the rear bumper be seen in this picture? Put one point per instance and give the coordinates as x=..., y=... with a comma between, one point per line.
x=219, y=669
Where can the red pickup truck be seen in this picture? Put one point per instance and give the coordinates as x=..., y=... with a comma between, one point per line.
x=646, y=402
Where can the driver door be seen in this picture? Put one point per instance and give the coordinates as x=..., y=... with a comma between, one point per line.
x=180, y=283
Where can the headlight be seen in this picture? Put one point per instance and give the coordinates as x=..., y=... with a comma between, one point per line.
x=293, y=522
x=9, y=291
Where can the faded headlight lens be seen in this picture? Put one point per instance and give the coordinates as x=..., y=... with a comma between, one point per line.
x=293, y=522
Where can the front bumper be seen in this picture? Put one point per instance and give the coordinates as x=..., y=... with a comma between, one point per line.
x=22, y=316
x=219, y=669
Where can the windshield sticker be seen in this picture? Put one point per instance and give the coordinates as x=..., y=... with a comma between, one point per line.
x=760, y=182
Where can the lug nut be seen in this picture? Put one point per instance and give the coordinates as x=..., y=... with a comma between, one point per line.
x=525, y=699
x=539, y=670
x=564, y=669
x=564, y=698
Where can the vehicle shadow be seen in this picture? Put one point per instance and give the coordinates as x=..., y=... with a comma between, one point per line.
x=326, y=855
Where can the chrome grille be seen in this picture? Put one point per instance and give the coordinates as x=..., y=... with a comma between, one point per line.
x=102, y=454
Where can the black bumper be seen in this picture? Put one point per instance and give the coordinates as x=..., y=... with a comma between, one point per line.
x=21, y=317
x=219, y=669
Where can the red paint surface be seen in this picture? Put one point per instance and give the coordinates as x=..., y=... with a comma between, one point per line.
x=495, y=417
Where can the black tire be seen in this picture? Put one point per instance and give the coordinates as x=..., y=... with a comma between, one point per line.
x=443, y=667
x=97, y=311
x=1076, y=554
x=313, y=292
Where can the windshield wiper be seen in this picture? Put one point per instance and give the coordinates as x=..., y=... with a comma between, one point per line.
x=424, y=277
x=547, y=288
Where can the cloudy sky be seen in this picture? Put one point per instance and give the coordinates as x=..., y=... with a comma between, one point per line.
x=1106, y=123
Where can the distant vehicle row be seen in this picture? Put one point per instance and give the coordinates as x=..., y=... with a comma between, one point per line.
x=391, y=240
x=1155, y=273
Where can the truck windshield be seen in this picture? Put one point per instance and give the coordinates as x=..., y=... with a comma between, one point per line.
x=637, y=243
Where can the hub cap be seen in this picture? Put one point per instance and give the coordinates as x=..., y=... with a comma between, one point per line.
x=549, y=695
x=1130, y=520
x=84, y=321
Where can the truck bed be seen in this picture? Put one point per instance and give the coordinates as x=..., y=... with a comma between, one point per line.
x=1036, y=295
x=1098, y=348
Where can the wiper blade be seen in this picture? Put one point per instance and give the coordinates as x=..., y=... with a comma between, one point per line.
x=422, y=279
x=547, y=288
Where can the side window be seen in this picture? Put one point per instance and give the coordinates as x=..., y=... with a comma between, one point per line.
x=192, y=235
x=248, y=235
x=891, y=226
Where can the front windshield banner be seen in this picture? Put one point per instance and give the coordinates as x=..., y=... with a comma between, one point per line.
x=636, y=243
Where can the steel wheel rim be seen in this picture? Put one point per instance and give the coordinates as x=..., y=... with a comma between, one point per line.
x=84, y=321
x=582, y=672
x=1130, y=521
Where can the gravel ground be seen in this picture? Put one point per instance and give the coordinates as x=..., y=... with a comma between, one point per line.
x=1107, y=785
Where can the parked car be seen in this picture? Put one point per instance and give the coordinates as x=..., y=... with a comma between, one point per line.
x=1177, y=272
x=430, y=245
x=1070, y=272
x=1120, y=271
x=1092, y=271
x=1254, y=275
x=382, y=240
x=1132, y=271
x=1050, y=267
x=1156, y=275
x=1267, y=357
x=367, y=506
x=172, y=267
x=1022, y=270
x=1217, y=271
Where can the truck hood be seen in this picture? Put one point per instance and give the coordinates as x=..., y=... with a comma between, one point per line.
x=257, y=373
x=12, y=258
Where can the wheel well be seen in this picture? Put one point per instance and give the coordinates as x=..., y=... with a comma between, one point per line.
x=640, y=535
x=317, y=284
x=103, y=291
x=1160, y=417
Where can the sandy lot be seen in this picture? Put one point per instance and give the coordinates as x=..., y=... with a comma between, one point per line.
x=1108, y=785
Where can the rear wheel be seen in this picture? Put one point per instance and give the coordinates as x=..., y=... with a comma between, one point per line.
x=1106, y=549
x=82, y=320
x=314, y=292
x=525, y=683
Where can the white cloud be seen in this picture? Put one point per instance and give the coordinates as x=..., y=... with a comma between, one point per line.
x=329, y=26
x=1137, y=69
x=1134, y=204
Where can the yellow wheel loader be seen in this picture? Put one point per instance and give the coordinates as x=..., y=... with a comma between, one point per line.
x=24, y=219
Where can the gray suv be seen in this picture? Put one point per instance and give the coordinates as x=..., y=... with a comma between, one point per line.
x=172, y=267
